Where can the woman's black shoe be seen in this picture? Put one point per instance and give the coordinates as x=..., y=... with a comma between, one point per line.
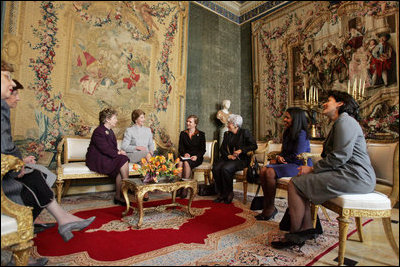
x=229, y=198
x=285, y=244
x=302, y=236
x=184, y=193
x=218, y=199
x=119, y=202
x=261, y=217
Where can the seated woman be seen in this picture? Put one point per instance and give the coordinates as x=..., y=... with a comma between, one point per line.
x=103, y=155
x=28, y=187
x=295, y=141
x=138, y=139
x=345, y=168
x=235, y=145
x=192, y=146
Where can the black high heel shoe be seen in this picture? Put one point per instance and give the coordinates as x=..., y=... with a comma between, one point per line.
x=229, y=198
x=119, y=202
x=261, y=217
x=285, y=244
x=302, y=236
x=219, y=199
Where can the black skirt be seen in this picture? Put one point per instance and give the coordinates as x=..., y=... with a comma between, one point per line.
x=35, y=193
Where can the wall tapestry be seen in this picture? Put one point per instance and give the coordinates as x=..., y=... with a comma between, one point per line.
x=308, y=48
x=76, y=58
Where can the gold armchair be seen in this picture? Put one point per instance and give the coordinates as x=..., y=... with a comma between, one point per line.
x=16, y=220
x=208, y=162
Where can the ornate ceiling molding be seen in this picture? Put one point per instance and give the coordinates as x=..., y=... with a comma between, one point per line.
x=241, y=12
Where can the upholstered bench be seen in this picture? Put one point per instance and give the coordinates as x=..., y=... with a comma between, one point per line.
x=71, y=154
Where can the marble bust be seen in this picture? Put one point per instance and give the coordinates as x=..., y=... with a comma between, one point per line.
x=223, y=115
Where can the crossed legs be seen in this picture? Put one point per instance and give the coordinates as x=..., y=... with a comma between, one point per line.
x=299, y=210
x=185, y=174
x=186, y=170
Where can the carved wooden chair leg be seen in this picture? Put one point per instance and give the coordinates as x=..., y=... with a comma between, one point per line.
x=314, y=213
x=359, y=229
x=387, y=226
x=343, y=229
x=325, y=213
x=21, y=253
x=59, y=189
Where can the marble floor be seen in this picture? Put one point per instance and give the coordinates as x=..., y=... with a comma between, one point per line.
x=374, y=251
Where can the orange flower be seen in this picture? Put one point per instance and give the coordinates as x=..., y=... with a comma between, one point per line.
x=135, y=167
x=164, y=168
x=177, y=160
x=143, y=160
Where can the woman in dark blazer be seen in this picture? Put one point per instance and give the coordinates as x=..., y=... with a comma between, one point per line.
x=103, y=155
x=192, y=146
x=235, y=145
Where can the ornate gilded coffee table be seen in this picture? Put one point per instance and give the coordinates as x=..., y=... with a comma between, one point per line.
x=139, y=189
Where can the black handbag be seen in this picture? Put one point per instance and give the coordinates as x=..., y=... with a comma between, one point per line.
x=253, y=175
x=258, y=201
x=206, y=190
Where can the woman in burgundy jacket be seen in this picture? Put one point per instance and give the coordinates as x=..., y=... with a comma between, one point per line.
x=103, y=155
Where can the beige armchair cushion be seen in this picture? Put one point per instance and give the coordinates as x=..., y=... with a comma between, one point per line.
x=8, y=224
x=371, y=201
x=382, y=157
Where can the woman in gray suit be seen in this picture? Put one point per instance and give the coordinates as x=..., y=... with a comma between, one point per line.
x=345, y=168
x=138, y=139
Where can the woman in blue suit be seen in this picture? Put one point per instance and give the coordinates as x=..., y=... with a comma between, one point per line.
x=295, y=141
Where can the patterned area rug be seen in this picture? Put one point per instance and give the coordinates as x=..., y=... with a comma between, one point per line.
x=218, y=234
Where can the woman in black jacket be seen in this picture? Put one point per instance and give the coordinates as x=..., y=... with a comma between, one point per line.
x=236, y=144
x=192, y=146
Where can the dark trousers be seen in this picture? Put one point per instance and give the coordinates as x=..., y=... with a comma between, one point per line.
x=35, y=193
x=223, y=172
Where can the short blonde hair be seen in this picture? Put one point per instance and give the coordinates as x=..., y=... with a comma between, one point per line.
x=106, y=113
x=195, y=118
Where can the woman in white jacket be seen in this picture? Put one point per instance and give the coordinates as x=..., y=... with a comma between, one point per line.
x=138, y=139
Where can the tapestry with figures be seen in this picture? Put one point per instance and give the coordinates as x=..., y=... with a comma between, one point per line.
x=308, y=48
x=75, y=58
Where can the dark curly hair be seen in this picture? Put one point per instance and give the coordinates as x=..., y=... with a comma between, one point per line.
x=349, y=106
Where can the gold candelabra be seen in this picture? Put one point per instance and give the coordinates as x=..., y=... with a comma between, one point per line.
x=358, y=90
x=311, y=103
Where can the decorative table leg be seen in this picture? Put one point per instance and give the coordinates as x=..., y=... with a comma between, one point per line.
x=124, y=190
x=192, y=193
x=140, y=208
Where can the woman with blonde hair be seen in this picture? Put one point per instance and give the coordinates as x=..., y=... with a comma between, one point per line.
x=192, y=146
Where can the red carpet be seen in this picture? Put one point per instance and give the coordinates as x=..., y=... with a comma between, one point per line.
x=218, y=234
x=113, y=245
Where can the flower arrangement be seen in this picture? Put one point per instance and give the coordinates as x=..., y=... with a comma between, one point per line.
x=157, y=167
